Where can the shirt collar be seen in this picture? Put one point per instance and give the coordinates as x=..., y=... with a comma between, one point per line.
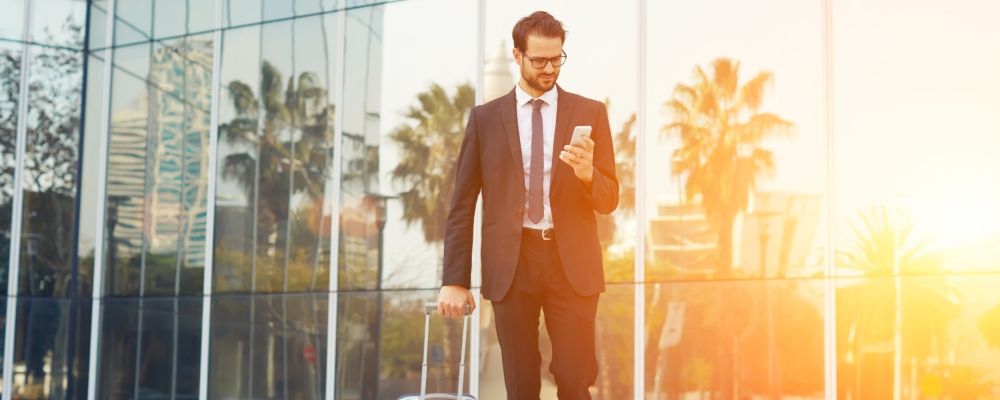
x=550, y=97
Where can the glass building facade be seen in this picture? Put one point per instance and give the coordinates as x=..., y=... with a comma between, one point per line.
x=245, y=199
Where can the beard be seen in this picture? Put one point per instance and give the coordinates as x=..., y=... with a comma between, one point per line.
x=536, y=83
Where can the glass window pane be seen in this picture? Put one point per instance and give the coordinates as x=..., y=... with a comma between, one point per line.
x=183, y=73
x=58, y=22
x=274, y=201
x=53, y=339
x=268, y=346
x=10, y=84
x=237, y=162
x=88, y=176
x=389, y=366
x=918, y=150
x=170, y=18
x=12, y=20
x=932, y=334
x=390, y=199
x=358, y=3
x=740, y=339
x=278, y=9
x=150, y=348
x=200, y=17
x=50, y=168
x=917, y=226
x=740, y=196
x=175, y=18
x=275, y=182
x=157, y=180
x=307, y=7
x=127, y=170
x=98, y=24
x=312, y=154
x=133, y=22
x=242, y=12
x=360, y=124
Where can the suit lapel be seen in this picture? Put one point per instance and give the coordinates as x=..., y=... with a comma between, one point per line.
x=564, y=111
x=508, y=114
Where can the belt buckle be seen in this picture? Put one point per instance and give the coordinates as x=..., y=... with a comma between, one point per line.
x=548, y=234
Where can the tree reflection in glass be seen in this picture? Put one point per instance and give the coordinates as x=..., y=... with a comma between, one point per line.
x=721, y=155
x=288, y=156
x=884, y=322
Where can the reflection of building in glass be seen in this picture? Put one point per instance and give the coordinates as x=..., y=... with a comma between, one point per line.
x=779, y=234
x=177, y=208
x=127, y=165
x=680, y=237
x=776, y=235
x=158, y=150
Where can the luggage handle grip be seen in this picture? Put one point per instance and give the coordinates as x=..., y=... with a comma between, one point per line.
x=431, y=307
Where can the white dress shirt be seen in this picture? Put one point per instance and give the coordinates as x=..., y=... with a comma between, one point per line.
x=524, y=110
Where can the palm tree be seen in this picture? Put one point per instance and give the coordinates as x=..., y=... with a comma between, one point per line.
x=879, y=310
x=429, y=147
x=721, y=129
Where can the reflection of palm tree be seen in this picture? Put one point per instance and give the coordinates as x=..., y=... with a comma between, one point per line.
x=429, y=152
x=876, y=311
x=289, y=155
x=281, y=145
x=721, y=129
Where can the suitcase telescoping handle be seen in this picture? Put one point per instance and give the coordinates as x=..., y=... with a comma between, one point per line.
x=431, y=307
x=428, y=309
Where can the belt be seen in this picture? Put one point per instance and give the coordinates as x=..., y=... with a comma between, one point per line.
x=547, y=234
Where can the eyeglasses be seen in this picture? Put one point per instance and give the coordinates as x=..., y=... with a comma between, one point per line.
x=539, y=62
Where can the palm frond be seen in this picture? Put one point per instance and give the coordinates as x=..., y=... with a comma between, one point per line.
x=752, y=92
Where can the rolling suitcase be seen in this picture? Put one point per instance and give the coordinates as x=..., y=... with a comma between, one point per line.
x=428, y=309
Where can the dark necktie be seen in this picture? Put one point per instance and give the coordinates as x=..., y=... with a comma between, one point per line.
x=537, y=174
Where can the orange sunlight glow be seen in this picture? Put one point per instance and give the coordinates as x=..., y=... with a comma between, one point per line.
x=955, y=213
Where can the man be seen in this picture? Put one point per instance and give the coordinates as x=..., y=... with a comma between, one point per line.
x=540, y=249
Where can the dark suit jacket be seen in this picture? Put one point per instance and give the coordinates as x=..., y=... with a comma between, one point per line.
x=490, y=161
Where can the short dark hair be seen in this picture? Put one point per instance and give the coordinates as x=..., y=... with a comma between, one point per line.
x=539, y=23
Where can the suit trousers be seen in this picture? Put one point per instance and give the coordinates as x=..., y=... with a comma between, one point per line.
x=540, y=285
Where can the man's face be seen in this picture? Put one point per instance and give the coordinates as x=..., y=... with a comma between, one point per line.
x=541, y=79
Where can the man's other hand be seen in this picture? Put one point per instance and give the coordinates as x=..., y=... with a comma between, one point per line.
x=452, y=301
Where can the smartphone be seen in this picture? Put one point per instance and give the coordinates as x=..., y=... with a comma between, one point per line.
x=579, y=132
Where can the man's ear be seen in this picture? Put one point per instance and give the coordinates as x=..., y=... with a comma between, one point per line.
x=517, y=56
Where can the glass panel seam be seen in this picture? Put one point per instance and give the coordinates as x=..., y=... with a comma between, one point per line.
x=16, y=211
x=102, y=191
x=476, y=343
x=338, y=155
x=639, y=269
x=830, y=292
x=213, y=146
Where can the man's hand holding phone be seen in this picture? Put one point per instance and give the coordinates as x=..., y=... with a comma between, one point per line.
x=579, y=154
